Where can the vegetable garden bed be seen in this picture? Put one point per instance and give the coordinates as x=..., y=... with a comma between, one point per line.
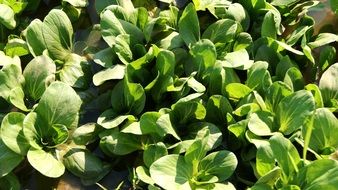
x=212, y=94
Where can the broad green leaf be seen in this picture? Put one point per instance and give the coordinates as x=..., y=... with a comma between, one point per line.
x=110, y=119
x=223, y=31
x=86, y=134
x=118, y=143
x=319, y=174
x=106, y=57
x=324, y=130
x=246, y=109
x=294, y=110
x=187, y=112
x=77, y=3
x=237, y=12
x=34, y=38
x=12, y=133
x=257, y=75
x=198, y=131
x=34, y=130
x=17, y=97
x=39, y=73
x=328, y=83
x=261, y=123
x=111, y=27
x=172, y=172
x=57, y=134
x=10, y=181
x=45, y=162
x=238, y=60
x=217, y=108
x=164, y=123
x=84, y=164
x=286, y=155
x=327, y=57
x=237, y=91
x=275, y=93
x=148, y=124
x=153, y=152
x=122, y=48
x=59, y=105
x=243, y=40
x=265, y=160
x=75, y=71
x=203, y=56
x=188, y=25
x=128, y=98
x=16, y=47
x=217, y=186
x=8, y=159
x=111, y=73
x=294, y=79
x=315, y=91
x=221, y=164
x=10, y=78
x=7, y=16
x=323, y=39
x=172, y=41
x=281, y=3
x=57, y=32
x=269, y=26
x=196, y=152
x=144, y=175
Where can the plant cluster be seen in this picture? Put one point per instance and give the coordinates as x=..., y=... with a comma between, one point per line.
x=212, y=94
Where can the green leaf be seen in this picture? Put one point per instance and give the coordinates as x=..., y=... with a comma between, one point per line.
x=110, y=119
x=34, y=38
x=294, y=79
x=223, y=31
x=118, y=143
x=328, y=83
x=82, y=163
x=217, y=186
x=217, y=108
x=128, y=98
x=188, y=25
x=10, y=78
x=17, y=97
x=323, y=39
x=293, y=111
x=164, y=123
x=77, y=3
x=112, y=73
x=187, y=112
x=172, y=172
x=221, y=164
x=315, y=91
x=144, y=175
x=57, y=32
x=275, y=93
x=12, y=133
x=59, y=105
x=122, y=49
x=237, y=12
x=269, y=26
x=286, y=155
x=153, y=152
x=265, y=160
x=16, y=47
x=281, y=3
x=111, y=27
x=203, y=56
x=257, y=75
x=7, y=16
x=9, y=157
x=86, y=134
x=45, y=162
x=324, y=130
x=238, y=60
x=319, y=174
x=237, y=91
x=10, y=181
x=148, y=124
x=261, y=123
x=38, y=73
x=76, y=71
